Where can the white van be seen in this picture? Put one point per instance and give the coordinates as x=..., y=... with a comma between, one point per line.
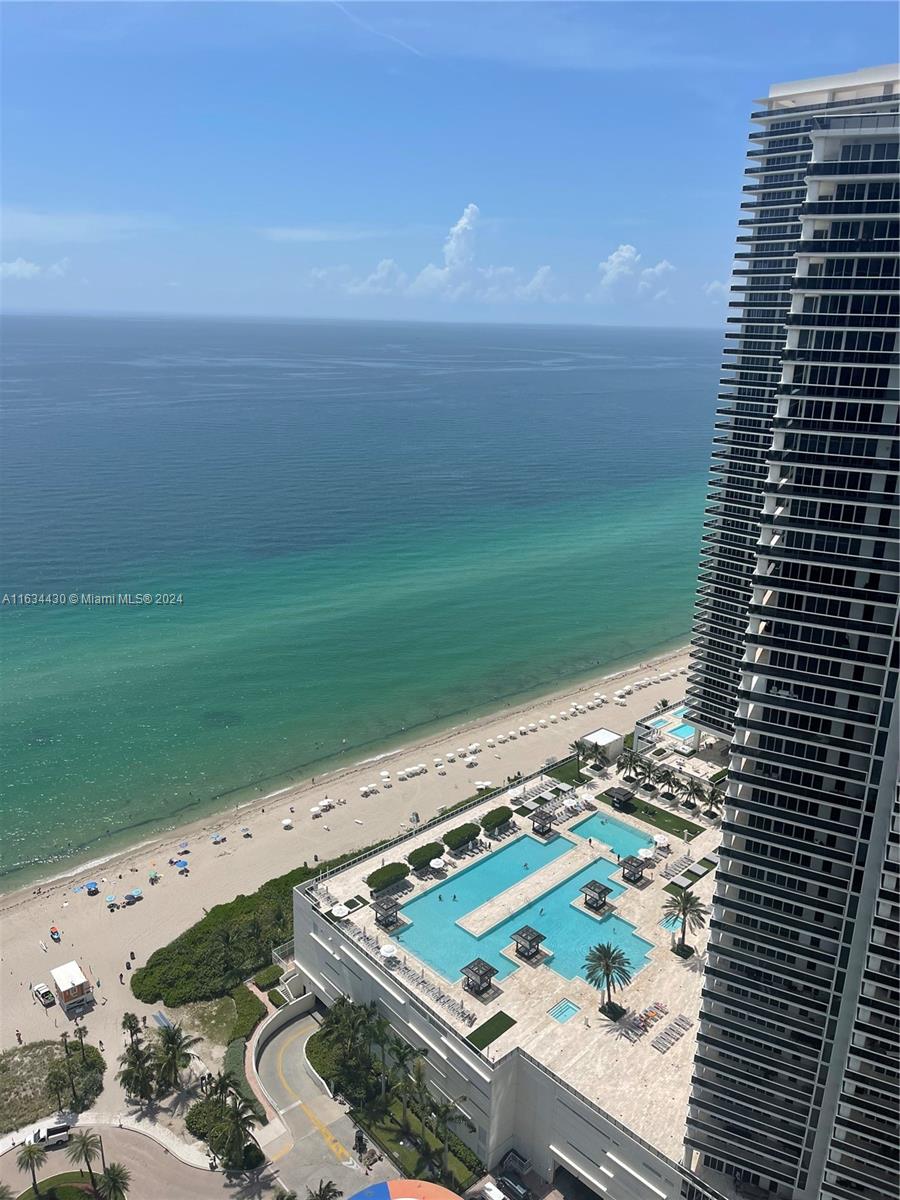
x=50, y=1135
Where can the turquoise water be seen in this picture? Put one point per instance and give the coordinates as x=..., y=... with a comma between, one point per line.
x=660, y=722
x=684, y=730
x=621, y=838
x=679, y=712
x=375, y=529
x=434, y=937
x=564, y=1011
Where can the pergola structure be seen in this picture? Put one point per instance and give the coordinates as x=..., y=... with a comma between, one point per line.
x=478, y=976
x=619, y=796
x=386, y=909
x=596, y=894
x=542, y=822
x=633, y=869
x=528, y=941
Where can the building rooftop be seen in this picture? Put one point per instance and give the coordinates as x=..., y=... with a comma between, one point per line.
x=516, y=880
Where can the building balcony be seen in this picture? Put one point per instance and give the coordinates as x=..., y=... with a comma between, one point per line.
x=852, y=246
x=882, y=166
x=845, y=283
x=847, y=208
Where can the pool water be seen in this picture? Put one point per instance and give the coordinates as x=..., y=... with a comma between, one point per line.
x=564, y=1011
x=622, y=839
x=660, y=721
x=684, y=730
x=679, y=712
x=434, y=936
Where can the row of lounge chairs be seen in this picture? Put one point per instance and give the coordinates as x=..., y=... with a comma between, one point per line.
x=675, y=868
x=670, y=1035
x=643, y=1021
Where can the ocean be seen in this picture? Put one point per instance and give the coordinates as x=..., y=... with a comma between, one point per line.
x=364, y=529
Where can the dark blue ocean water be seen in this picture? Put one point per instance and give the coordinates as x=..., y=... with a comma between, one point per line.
x=373, y=527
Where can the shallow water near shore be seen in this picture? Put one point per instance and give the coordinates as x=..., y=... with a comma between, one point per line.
x=374, y=530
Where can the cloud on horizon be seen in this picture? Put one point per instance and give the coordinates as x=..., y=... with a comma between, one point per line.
x=54, y=228
x=621, y=268
x=23, y=268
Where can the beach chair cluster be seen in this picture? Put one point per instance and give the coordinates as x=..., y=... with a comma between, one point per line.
x=670, y=1035
x=675, y=868
x=644, y=1021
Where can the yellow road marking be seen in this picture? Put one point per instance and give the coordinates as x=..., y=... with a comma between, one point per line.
x=337, y=1149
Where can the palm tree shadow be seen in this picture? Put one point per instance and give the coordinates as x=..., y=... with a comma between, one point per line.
x=696, y=963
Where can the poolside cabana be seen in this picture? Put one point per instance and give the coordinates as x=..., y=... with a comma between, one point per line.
x=633, y=869
x=562, y=788
x=478, y=976
x=542, y=822
x=619, y=797
x=528, y=941
x=386, y=909
x=596, y=894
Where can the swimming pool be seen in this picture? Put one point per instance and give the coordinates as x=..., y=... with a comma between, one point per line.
x=660, y=721
x=679, y=712
x=434, y=936
x=564, y=1011
x=621, y=838
x=684, y=730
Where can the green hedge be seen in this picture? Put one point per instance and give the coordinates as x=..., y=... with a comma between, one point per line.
x=495, y=818
x=277, y=998
x=231, y=942
x=202, y=1117
x=324, y=1059
x=234, y=1062
x=250, y=1011
x=461, y=835
x=268, y=977
x=387, y=876
x=423, y=855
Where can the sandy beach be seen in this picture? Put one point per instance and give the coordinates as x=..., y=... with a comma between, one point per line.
x=102, y=942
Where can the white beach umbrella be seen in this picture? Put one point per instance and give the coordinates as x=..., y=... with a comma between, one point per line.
x=490, y=743
x=315, y=810
x=388, y=950
x=450, y=756
x=340, y=911
x=604, y=699
x=401, y=777
x=512, y=734
x=461, y=751
x=532, y=728
x=287, y=823
x=488, y=784
x=543, y=723
x=661, y=840
x=385, y=774
x=438, y=762
x=591, y=705
x=645, y=853
x=364, y=791
x=437, y=864
x=554, y=719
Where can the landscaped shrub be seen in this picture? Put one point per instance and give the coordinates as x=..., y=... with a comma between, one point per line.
x=268, y=977
x=495, y=818
x=253, y=1157
x=231, y=942
x=250, y=1011
x=202, y=1117
x=277, y=998
x=461, y=835
x=324, y=1059
x=387, y=876
x=422, y=857
x=26, y=1071
x=234, y=1062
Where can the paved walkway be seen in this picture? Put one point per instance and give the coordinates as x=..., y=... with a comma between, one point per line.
x=155, y=1171
x=319, y=1144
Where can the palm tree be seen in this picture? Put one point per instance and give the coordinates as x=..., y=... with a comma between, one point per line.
x=628, y=761
x=380, y=1036
x=64, y=1038
x=599, y=756
x=447, y=1115
x=67, y=1067
x=6, y=1192
x=234, y=1131
x=404, y=1056
x=646, y=772
x=686, y=908
x=668, y=781
x=224, y=1085
x=694, y=790
x=137, y=1075
x=327, y=1190
x=581, y=749
x=83, y=1148
x=419, y=1090
x=607, y=966
x=132, y=1026
x=31, y=1157
x=662, y=705
x=56, y=1082
x=81, y=1034
x=715, y=797
x=172, y=1054
x=114, y=1182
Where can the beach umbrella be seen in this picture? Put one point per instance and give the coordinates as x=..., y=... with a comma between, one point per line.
x=340, y=911
x=388, y=951
x=385, y=774
x=437, y=864
x=553, y=719
x=461, y=751
x=182, y=845
x=645, y=853
x=245, y=831
x=287, y=823
x=180, y=863
x=92, y=884
x=401, y=777
x=661, y=839
x=487, y=784
x=110, y=899
x=364, y=791
x=137, y=893
x=315, y=810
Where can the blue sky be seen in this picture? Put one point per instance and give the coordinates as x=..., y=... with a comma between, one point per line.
x=442, y=161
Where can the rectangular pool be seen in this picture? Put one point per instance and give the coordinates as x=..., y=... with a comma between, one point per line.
x=622, y=839
x=659, y=722
x=683, y=731
x=434, y=936
x=564, y=1011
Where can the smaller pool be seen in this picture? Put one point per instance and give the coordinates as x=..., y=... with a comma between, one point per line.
x=684, y=730
x=679, y=712
x=564, y=1011
x=660, y=721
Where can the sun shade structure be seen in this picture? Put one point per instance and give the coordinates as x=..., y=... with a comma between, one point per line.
x=619, y=797
x=542, y=821
x=528, y=941
x=633, y=869
x=596, y=894
x=478, y=975
x=386, y=909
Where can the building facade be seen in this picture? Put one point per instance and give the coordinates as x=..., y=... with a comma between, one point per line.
x=796, y=1075
x=771, y=226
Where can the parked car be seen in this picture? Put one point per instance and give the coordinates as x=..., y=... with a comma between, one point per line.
x=44, y=994
x=513, y=1187
x=50, y=1135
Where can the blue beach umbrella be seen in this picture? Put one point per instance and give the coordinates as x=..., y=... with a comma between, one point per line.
x=181, y=863
x=110, y=899
x=137, y=893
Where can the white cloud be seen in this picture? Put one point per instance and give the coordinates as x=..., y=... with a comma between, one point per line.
x=715, y=289
x=46, y=228
x=662, y=295
x=620, y=264
x=458, y=274
x=22, y=268
x=650, y=276
x=314, y=234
